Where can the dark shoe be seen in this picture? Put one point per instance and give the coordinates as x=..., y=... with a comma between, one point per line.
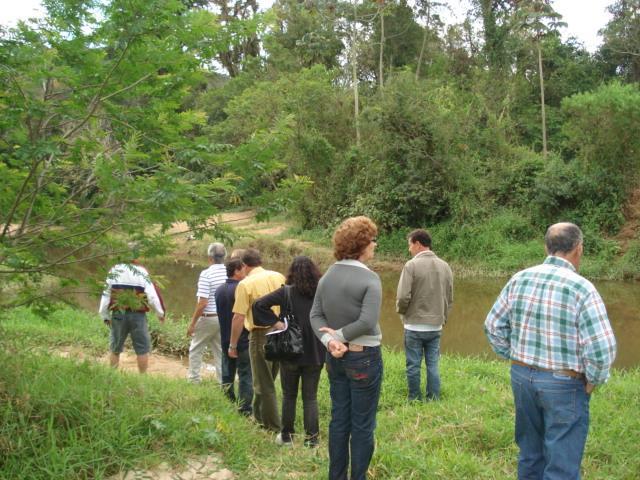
x=284, y=440
x=311, y=442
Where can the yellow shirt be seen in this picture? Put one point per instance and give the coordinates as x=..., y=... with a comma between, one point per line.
x=257, y=284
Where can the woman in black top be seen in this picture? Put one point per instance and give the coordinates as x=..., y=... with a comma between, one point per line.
x=303, y=276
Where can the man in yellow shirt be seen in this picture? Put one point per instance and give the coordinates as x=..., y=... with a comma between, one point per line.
x=257, y=283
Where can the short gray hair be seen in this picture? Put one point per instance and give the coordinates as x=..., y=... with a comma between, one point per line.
x=562, y=238
x=217, y=252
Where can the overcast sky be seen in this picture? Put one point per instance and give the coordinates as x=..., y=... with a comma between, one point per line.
x=584, y=17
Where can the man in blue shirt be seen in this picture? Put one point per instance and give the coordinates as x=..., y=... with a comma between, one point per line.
x=225, y=298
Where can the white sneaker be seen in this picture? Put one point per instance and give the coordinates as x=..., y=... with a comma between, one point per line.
x=283, y=443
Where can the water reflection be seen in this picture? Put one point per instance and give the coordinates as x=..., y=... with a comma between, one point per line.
x=463, y=334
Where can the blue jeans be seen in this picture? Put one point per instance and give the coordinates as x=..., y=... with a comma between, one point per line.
x=355, y=381
x=416, y=346
x=242, y=365
x=552, y=422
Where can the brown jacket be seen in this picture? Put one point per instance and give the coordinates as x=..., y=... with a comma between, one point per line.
x=425, y=290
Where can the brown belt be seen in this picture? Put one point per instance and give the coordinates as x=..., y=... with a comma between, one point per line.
x=209, y=315
x=568, y=373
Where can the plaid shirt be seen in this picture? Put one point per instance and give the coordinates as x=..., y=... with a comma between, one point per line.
x=550, y=317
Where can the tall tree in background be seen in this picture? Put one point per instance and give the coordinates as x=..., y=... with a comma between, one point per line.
x=302, y=34
x=427, y=10
x=496, y=27
x=240, y=23
x=621, y=46
x=535, y=19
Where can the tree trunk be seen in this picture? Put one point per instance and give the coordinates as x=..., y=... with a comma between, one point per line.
x=543, y=112
x=354, y=72
x=424, y=43
x=381, y=61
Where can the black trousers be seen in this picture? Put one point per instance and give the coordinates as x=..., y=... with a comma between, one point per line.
x=290, y=376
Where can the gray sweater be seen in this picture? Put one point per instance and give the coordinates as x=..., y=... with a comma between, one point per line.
x=348, y=299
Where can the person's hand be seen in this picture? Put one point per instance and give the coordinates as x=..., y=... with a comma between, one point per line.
x=328, y=330
x=336, y=348
x=107, y=322
x=232, y=352
x=161, y=319
x=589, y=387
x=277, y=326
x=191, y=329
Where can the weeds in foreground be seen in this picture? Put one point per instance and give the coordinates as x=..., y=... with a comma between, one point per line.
x=66, y=419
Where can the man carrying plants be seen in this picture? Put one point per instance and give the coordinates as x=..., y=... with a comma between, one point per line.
x=125, y=301
x=423, y=300
x=553, y=326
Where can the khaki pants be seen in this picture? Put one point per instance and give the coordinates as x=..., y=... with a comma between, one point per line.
x=264, y=372
x=206, y=334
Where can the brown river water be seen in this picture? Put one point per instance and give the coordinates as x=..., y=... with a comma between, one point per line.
x=462, y=335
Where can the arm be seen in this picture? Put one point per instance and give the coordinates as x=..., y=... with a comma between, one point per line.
x=237, y=322
x=596, y=339
x=449, y=292
x=318, y=319
x=241, y=307
x=262, y=313
x=403, y=295
x=197, y=313
x=103, y=310
x=369, y=313
x=105, y=300
x=497, y=326
x=154, y=298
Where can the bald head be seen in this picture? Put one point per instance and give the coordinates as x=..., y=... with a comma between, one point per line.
x=562, y=238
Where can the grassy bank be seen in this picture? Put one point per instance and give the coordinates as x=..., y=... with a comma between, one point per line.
x=61, y=418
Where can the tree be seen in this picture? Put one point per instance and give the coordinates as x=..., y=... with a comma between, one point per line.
x=536, y=19
x=91, y=132
x=495, y=15
x=621, y=46
x=427, y=9
x=300, y=35
x=240, y=25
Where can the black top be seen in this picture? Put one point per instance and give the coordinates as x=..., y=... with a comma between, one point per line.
x=225, y=298
x=314, y=351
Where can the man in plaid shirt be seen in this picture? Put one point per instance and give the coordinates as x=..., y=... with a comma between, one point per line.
x=553, y=326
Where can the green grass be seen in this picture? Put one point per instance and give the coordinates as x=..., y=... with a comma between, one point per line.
x=67, y=419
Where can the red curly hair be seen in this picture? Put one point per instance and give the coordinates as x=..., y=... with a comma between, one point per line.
x=352, y=237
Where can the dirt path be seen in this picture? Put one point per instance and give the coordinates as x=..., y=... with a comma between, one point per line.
x=159, y=364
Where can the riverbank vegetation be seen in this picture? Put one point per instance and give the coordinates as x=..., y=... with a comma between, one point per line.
x=74, y=418
x=120, y=120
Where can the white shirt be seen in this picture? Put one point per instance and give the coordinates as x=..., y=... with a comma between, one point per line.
x=130, y=275
x=209, y=281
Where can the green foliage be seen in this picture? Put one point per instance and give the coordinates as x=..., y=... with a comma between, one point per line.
x=302, y=35
x=600, y=128
x=619, y=51
x=98, y=144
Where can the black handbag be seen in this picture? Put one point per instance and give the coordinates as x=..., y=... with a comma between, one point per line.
x=286, y=345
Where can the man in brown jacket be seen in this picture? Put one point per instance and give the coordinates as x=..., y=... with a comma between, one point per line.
x=424, y=299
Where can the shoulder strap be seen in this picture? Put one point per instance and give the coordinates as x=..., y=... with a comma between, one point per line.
x=287, y=299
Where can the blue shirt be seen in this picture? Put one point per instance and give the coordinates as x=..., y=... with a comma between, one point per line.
x=225, y=298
